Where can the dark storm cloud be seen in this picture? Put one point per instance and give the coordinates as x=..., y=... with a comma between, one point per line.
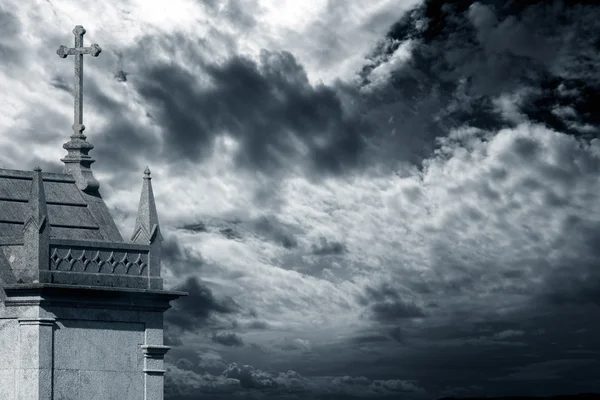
x=387, y=304
x=529, y=346
x=268, y=228
x=230, y=233
x=227, y=339
x=270, y=107
x=464, y=55
x=184, y=363
x=179, y=258
x=197, y=227
x=396, y=309
x=564, y=288
x=366, y=339
x=114, y=145
x=192, y=312
x=172, y=336
x=397, y=334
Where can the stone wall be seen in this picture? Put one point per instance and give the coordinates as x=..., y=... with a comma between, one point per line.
x=72, y=343
x=98, y=360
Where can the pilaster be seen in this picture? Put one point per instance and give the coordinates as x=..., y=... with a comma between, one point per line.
x=35, y=365
x=154, y=371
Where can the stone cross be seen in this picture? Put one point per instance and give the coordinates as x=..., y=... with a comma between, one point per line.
x=78, y=51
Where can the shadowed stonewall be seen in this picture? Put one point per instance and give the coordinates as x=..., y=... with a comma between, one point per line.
x=81, y=309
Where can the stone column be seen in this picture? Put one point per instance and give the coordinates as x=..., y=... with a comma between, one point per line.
x=36, y=351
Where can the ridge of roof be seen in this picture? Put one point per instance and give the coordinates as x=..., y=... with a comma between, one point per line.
x=46, y=176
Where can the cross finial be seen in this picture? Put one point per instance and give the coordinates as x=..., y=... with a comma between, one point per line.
x=77, y=160
x=78, y=51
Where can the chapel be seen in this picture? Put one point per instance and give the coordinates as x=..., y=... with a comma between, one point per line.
x=81, y=308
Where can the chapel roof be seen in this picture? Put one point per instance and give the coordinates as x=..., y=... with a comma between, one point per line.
x=72, y=213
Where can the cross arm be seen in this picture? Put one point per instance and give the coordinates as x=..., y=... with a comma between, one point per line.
x=64, y=51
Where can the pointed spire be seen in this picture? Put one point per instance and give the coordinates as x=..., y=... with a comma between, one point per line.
x=36, y=232
x=146, y=224
x=38, y=214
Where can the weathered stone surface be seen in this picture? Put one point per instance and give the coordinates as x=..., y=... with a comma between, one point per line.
x=98, y=345
x=34, y=365
x=104, y=385
x=9, y=342
x=66, y=384
x=7, y=385
x=88, y=217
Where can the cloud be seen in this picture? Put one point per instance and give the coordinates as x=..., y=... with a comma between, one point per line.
x=227, y=339
x=210, y=359
x=269, y=107
x=184, y=364
x=393, y=310
x=508, y=333
x=387, y=305
x=270, y=228
x=326, y=247
x=265, y=227
x=198, y=227
x=466, y=180
x=545, y=370
x=460, y=60
x=230, y=233
x=292, y=344
x=192, y=312
x=180, y=383
x=238, y=379
x=11, y=28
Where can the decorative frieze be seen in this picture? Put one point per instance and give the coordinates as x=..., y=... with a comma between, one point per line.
x=100, y=261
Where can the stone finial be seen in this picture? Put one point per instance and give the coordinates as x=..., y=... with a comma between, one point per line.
x=77, y=162
x=146, y=224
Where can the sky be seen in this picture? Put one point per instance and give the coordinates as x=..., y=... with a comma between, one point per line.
x=364, y=199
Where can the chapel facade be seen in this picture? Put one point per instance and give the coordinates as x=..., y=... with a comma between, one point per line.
x=81, y=309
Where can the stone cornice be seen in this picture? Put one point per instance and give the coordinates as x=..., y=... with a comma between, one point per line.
x=47, y=294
